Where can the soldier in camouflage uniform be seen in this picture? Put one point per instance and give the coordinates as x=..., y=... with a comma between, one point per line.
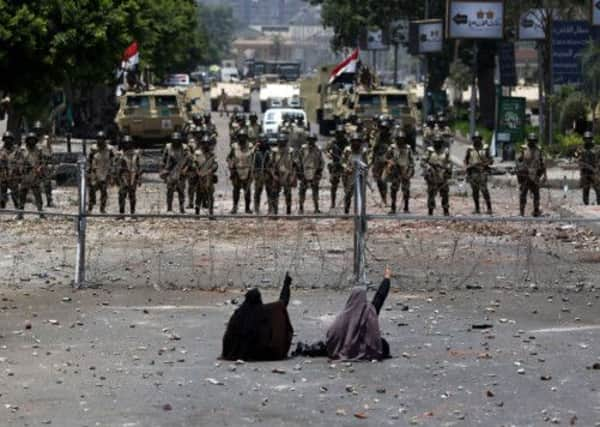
x=208, y=126
x=437, y=170
x=589, y=168
x=400, y=168
x=192, y=178
x=310, y=171
x=298, y=134
x=531, y=171
x=32, y=162
x=46, y=147
x=9, y=178
x=477, y=163
x=205, y=167
x=334, y=151
x=254, y=129
x=174, y=169
x=100, y=163
x=128, y=171
x=429, y=131
x=382, y=141
x=239, y=162
x=356, y=151
x=282, y=168
x=260, y=171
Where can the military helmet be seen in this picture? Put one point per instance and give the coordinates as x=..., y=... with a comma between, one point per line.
x=385, y=123
x=355, y=137
x=100, y=136
x=339, y=129
x=476, y=136
x=8, y=136
x=196, y=116
x=242, y=132
x=400, y=135
x=126, y=138
x=207, y=116
x=37, y=125
x=438, y=138
x=282, y=138
x=205, y=139
x=312, y=137
x=532, y=137
x=300, y=119
x=588, y=135
x=176, y=136
x=31, y=136
x=253, y=116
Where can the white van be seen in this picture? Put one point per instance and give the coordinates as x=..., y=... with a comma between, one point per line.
x=273, y=118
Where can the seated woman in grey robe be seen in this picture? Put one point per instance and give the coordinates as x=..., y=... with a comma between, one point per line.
x=355, y=333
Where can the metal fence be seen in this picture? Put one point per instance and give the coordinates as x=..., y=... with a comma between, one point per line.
x=167, y=251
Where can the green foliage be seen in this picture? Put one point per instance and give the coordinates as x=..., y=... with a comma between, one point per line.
x=217, y=22
x=462, y=127
x=78, y=43
x=565, y=145
x=460, y=75
x=573, y=108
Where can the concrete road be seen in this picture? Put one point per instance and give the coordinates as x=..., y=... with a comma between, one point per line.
x=144, y=358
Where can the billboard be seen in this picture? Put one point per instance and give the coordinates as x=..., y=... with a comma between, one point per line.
x=475, y=19
x=569, y=39
x=596, y=12
x=506, y=62
x=511, y=117
x=426, y=36
x=375, y=40
x=399, y=31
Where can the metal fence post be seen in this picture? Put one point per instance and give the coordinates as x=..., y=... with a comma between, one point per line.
x=360, y=222
x=81, y=226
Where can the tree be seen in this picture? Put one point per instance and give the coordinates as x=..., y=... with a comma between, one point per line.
x=590, y=64
x=217, y=23
x=460, y=78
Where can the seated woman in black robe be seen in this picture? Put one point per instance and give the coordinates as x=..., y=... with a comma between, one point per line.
x=355, y=333
x=257, y=331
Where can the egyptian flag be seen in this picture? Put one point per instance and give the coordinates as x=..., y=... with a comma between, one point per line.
x=131, y=57
x=347, y=66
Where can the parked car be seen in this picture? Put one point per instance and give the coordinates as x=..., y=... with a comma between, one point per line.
x=273, y=118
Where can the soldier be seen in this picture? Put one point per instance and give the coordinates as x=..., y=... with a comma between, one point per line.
x=208, y=126
x=128, y=172
x=205, y=167
x=254, y=129
x=9, y=179
x=192, y=177
x=260, y=172
x=46, y=148
x=310, y=170
x=174, y=169
x=100, y=163
x=531, y=171
x=223, y=103
x=239, y=162
x=429, y=131
x=355, y=152
x=283, y=174
x=298, y=134
x=437, y=170
x=477, y=163
x=445, y=131
x=334, y=151
x=400, y=168
x=589, y=162
x=379, y=148
x=31, y=164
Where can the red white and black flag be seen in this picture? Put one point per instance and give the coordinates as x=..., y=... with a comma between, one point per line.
x=126, y=74
x=347, y=66
x=131, y=57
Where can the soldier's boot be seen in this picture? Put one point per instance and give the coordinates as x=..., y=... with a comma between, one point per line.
x=521, y=208
x=121, y=207
x=382, y=191
x=2, y=203
x=393, y=197
x=430, y=211
x=191, y=194
x=132, y=202
x=316, y=201
x=247, y=200
x=91, y=199
x=347, y=203
x=488, y=203
x=169, y=200
x=211, y=207
x=586, y=196
x=236, y=200
x=446, y=211
x=257, y=203
x=103, y=201
x=476, y=202
x=301, y=198
x=333, y=195
x=49, y=201
x=406, y=199
x=288, y=204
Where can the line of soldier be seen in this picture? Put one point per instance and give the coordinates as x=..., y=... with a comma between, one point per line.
x=26, y=169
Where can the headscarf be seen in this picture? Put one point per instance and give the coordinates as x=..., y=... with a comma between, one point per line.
x=355, y=334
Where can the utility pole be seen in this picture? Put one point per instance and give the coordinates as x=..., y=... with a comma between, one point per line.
x=473, y=105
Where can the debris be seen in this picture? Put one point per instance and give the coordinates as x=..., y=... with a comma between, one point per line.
x=214, y=382
x=278, y=371
x=482, y=326
x=53, y=322
x=546, y=377
x=340, y=412
x=27, y=324
x=167, y=407
x=521, y=371
x=361, y=416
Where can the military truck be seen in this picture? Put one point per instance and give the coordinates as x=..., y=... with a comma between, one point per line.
x=396, y=103
x=151, y=116
x=237, y=94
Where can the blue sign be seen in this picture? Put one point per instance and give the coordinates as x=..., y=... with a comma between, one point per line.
x=569, y=39
x=506, y=60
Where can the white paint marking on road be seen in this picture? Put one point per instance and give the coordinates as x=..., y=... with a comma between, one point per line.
x=166, y=307
x=565, y=329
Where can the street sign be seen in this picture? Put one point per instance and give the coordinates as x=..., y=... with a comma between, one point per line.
x=475, y=19
x=375, y=40
x=426, y=37
x=511, y=117
x=506, y=62
x=531, y=25
x=569, y=39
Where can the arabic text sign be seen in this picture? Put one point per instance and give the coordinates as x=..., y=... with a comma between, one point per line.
x=569, y=38
x=426, y=36
x=531, y=25
x=511, y=117
x=475, y=19
x=375, y=40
